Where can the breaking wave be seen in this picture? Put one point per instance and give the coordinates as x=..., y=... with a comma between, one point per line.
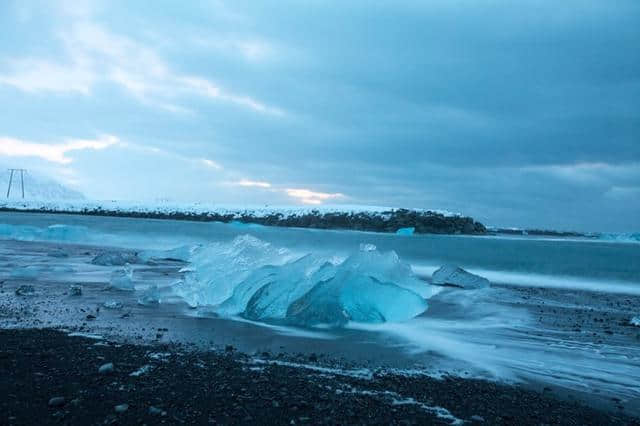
x=50, y=233
x=252, y=278
x=624, y=238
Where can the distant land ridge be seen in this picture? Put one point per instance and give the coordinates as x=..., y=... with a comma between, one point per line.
x=376, y=219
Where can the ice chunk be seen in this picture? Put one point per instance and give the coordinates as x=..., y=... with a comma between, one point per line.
x=268, y=291
x=635, y=321
x=270, y=284
x=353, y=297
x=369, y=286
x=367, y=247
x=123, y=279
x=454, y=276
x=405, y=231
x=114, y=259
x=150, y=297
x=112, y=304
x=218, y=268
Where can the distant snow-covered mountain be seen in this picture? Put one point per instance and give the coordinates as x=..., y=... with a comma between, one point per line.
x=36, y=187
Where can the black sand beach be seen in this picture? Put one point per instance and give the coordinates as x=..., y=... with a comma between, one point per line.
x=48, y=377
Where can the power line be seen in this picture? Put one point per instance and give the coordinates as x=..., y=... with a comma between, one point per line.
x=12, y=171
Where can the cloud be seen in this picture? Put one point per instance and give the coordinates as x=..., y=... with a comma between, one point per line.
x=187, y=159
x=210, y=163
x=55, y=153
x=97, y=55
x=252, y=183
x=311, y=197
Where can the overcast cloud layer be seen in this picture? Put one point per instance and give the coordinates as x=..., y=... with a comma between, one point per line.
x=519, y=113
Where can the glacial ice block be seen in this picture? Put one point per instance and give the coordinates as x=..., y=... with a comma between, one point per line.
x=455, y=276
x=353, y=297
x=368, y=286
x=254, y=279
x=123, y=279
x=290, y=282
x=217, y=269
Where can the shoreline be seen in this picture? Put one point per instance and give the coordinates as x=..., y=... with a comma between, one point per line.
x=385, y=221
x=178, y=384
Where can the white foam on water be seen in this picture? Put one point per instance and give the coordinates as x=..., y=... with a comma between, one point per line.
x=495, y=347
x=360, y=373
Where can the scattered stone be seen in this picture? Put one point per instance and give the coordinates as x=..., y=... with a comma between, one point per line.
x=25, y=290
x=90, y=317
x=121, y=408
x=57, y=401
x=229, y=348
x=75, y=290
x=106, y=368
x=155, y=411
x=477, y=418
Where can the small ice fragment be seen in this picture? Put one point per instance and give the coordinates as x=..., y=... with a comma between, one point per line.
x=635, y=321
x=75, y=290
x=106, y=368
x=123, y=279
x=112, y=304
x=150, y=297
x=367, y=247
x=406, y=231
x=458, y=277
x=25, y=290
x=121, y=408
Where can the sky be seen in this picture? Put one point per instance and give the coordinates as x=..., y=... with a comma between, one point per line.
x=519, y=113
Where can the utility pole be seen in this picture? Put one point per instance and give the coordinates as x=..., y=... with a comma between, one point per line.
x=12, y=171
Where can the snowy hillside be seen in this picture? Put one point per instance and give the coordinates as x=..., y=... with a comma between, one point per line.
x=36, y=187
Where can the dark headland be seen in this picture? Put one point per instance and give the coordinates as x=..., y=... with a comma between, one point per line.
x=423, y=221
